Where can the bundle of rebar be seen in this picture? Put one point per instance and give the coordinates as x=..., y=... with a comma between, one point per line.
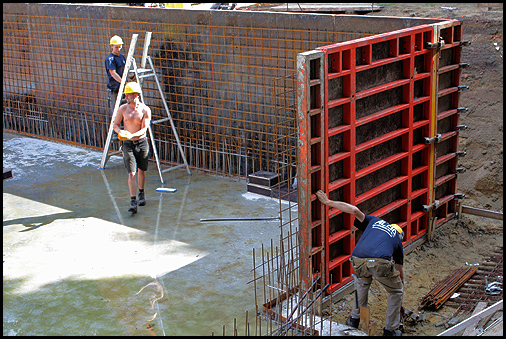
x=440, y=293
x=474, y=290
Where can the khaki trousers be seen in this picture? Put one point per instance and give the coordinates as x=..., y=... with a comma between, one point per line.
x=384, y=272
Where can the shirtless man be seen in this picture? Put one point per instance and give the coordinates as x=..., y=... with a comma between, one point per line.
x=136, y=119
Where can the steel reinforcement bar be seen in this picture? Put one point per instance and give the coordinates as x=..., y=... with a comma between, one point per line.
x=440, y=293
x=217, y=71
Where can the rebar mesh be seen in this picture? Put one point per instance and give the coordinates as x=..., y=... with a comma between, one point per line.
x=217, y=80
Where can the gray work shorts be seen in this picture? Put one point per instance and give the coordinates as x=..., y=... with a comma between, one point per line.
x=135, y=154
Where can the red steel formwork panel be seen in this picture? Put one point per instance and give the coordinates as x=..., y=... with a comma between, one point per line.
x=378, y=120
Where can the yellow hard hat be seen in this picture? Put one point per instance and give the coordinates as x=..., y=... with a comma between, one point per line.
x=116, y=40
x=132, y=87
x=398, y=229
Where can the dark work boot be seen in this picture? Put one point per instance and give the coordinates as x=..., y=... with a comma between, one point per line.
x=133, y=206
x=390, y=333
x=352, y=322
x=142, y=199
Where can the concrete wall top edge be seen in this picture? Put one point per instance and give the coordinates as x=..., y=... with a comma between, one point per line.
x=261, y=19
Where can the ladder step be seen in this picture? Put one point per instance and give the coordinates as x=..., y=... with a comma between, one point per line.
x=159, y=121
x=146, y=75
x=141, y=70
x=115, y=152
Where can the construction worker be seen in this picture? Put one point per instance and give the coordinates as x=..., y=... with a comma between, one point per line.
x=136, y=118
x=379, y=254
x=114, y=67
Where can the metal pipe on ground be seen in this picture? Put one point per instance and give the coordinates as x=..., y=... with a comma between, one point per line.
x=239, y=219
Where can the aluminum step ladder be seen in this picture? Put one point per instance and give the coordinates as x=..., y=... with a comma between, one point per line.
x=140, y=74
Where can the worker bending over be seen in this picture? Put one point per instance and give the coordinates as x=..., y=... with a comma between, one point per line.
x=379, y=254
x=136, y=118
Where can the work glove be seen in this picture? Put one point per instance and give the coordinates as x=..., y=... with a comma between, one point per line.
x=124, y=135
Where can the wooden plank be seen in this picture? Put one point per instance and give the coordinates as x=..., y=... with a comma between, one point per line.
x=472, y=329
x=482, y=213
x=365, y=320
x=7, y=173
x=432, y=228
x=472, y=320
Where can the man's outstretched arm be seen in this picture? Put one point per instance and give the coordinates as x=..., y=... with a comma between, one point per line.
x=342, y=206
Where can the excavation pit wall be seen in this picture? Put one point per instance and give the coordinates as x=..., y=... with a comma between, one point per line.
x=232, y=83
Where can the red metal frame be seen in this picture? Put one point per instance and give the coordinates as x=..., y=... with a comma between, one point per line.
x=403, y=46
x=410, y=183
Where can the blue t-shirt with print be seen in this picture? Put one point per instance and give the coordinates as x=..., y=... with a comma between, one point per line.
x=379, y=240
x=116, y=62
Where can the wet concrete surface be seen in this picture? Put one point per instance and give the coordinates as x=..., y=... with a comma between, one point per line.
x=76, y=262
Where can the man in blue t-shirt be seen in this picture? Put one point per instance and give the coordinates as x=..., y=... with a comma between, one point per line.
x=114, y=67
x=379, y=254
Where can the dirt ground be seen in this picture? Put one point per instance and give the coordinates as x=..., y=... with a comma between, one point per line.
x=473, y=238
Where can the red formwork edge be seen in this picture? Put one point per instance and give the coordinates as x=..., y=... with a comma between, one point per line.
x=417, y=183
x=310, y=165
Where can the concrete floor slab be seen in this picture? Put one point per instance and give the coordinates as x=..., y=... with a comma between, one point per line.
x=77, y=263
